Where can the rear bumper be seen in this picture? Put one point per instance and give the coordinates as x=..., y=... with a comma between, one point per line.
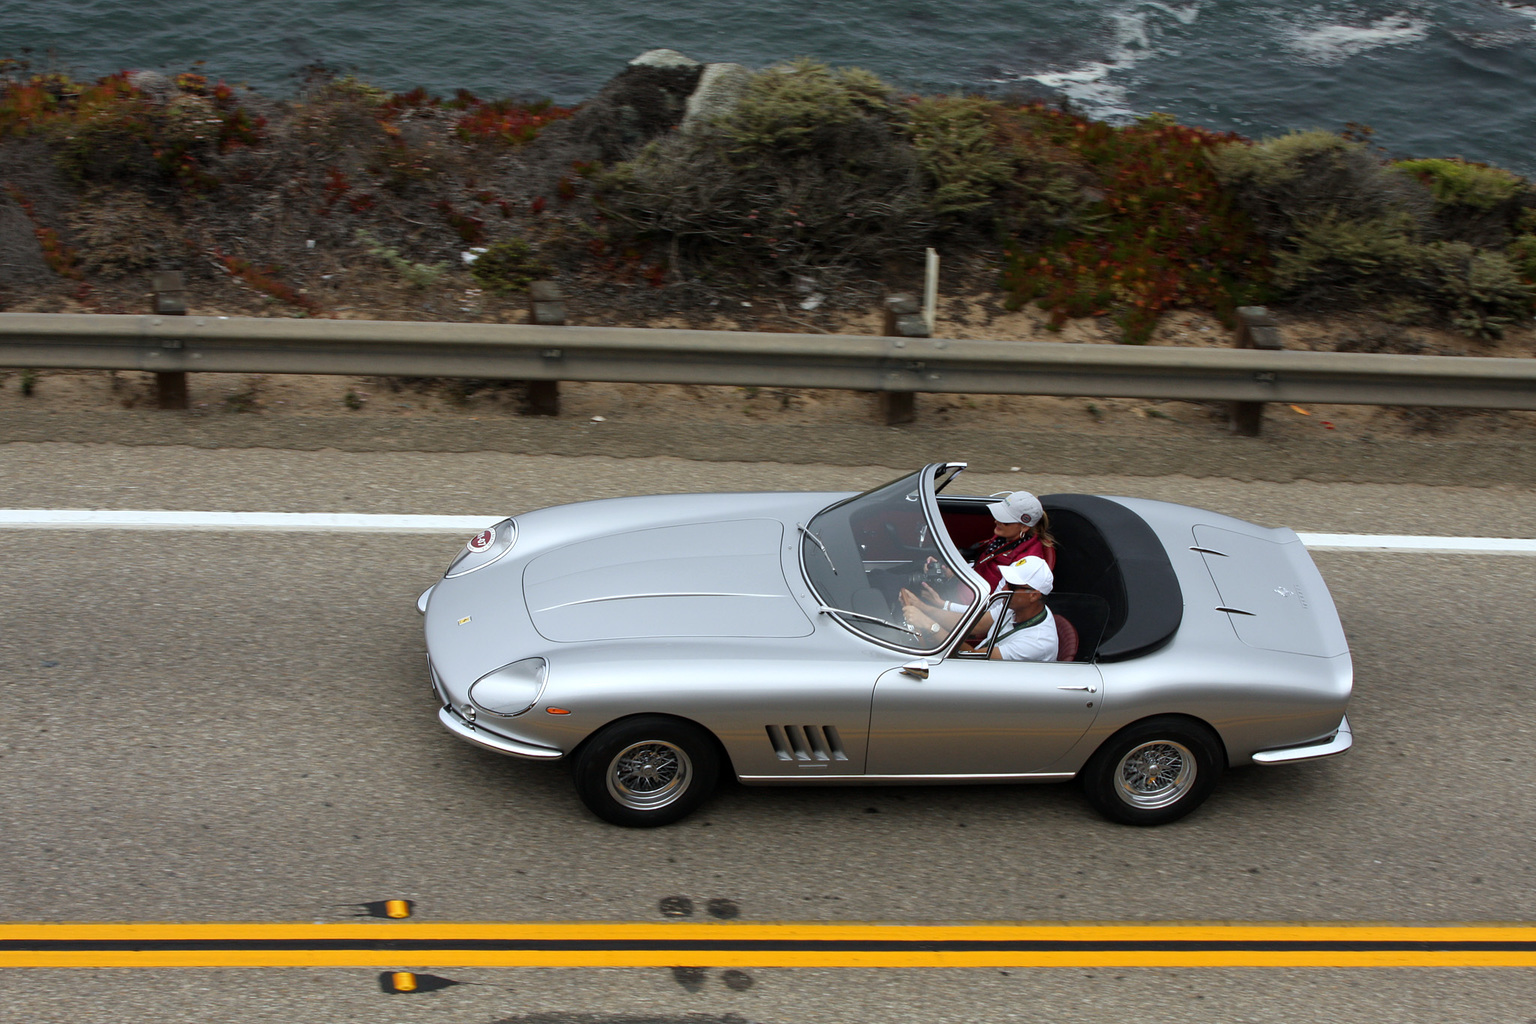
x=490, y=741
x=1339, y=742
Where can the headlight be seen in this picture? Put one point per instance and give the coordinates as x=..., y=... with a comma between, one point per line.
x=511, y=689
x=484, y=548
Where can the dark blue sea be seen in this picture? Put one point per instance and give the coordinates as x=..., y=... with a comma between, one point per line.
x=1432, y=77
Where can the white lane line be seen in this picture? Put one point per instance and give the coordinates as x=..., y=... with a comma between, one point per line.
x=335, y=522
x=322, y=522
x=1430, y=545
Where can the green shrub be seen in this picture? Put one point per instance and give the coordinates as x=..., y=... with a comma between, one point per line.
x=799, y=105
x=418, y=275
x=1480, y=288
x=509, y=266
x=812, y=172
x=1308, y=177
x=1473, y=202
x=1460, y=183
x=1522, y=254
x=1335, y=258
x=959, y=151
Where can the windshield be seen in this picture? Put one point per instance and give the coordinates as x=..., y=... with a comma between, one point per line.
x=875, y=563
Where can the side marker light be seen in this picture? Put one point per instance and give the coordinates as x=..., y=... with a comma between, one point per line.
x=557, y=711
x=403, y=981
x=397, y=908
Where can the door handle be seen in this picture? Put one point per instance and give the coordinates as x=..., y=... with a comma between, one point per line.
x=1090, y=689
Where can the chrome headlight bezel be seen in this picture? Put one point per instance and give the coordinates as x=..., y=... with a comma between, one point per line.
x=510, y=690
x=473, y=558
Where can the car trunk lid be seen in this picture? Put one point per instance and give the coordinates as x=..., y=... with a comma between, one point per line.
x=1271, y=592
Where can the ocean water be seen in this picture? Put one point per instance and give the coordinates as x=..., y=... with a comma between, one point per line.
x=1432, y=77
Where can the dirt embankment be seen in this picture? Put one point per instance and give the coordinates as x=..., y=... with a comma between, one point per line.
x=351, y=203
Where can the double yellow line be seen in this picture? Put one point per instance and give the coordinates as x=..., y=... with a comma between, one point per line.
x=415, y=944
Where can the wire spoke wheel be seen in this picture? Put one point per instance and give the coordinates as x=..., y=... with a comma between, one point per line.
x=651, y=774
x=1154, y=771
x=1156, y=774
x=646, y=771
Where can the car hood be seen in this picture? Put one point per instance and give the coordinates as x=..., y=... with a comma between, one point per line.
x=703, y=579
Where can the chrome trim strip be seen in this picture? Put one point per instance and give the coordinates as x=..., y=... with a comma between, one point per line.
x=490, y=741
x=1041, y=776
x=631, y=597
x=1339, y=742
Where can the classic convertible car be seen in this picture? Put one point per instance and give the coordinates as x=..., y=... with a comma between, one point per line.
x=654, y=642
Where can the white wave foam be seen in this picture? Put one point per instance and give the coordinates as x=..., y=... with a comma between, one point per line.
x=1333, y=44
x=1185, y=15
x=1089, y=87
x=1088, y=84
x=1524, y=8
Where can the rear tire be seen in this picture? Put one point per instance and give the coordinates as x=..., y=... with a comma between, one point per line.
x=1154, y=772
x=646, y=771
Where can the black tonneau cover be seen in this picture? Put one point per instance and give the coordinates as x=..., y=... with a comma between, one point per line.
x=1106, y=549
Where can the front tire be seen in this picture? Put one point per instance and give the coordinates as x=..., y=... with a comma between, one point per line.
x=1154, y=772
x=646, y=771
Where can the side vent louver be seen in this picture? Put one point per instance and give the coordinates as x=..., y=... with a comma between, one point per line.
x=806, y=743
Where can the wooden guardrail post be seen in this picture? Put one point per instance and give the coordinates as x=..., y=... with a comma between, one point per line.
x=1255, y=329
x=900, y=317
x=546, y=308
x=170, y=299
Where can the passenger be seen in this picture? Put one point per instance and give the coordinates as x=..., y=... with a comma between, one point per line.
x=1020, y=529
x=1028, y=630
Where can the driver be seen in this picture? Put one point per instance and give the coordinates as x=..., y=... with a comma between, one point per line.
x=1020, y=530
x=1028, y=630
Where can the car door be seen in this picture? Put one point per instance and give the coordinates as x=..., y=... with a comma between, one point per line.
x=971, y=716
x=802, y=720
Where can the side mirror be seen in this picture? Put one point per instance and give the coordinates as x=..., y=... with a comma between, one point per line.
x=915, y=669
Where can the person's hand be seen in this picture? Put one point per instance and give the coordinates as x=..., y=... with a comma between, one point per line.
x=917, y=615
x=931, y=596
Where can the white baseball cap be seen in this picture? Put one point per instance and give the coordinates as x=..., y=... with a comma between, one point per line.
x=1030, y=571
x=1018, y=507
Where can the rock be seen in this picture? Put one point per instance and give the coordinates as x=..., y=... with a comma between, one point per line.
x=664, y=59
x=155, y=86
x=719, y=90
x=648, y=98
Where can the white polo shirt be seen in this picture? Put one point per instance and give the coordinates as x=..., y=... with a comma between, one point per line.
x=1031, y=643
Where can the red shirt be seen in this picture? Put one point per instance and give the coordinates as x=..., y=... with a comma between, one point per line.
x=996, y=552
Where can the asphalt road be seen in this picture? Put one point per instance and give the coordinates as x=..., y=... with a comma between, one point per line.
x=210, y=726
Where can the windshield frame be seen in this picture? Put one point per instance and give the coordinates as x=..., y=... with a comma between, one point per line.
x=923, y=484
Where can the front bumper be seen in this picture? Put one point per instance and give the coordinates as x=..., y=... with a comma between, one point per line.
x=490, y=741
x=1339, y=742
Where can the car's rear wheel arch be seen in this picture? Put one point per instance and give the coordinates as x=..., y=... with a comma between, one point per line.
x=1154, y=770
x=1197, y=722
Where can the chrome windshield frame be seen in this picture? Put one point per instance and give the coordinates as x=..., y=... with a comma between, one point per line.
x=926, y=492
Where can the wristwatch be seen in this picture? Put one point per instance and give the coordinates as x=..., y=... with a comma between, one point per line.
x=933, y=627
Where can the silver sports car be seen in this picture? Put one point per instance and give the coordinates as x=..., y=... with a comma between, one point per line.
x=654, y=642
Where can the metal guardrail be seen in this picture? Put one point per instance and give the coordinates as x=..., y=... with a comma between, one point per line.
x=203, y=344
